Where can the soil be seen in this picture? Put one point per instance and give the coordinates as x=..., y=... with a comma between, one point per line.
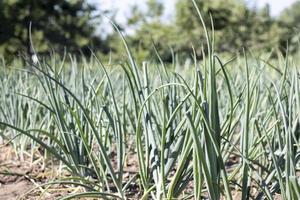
x=14, y=190
x=12, y=183
x=19, y=176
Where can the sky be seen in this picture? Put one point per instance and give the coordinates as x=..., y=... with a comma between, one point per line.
x=122, y=6
x=276, y=5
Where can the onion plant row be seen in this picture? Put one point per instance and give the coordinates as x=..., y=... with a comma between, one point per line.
x=215, y=128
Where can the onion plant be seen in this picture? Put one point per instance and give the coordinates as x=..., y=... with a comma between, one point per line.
x=211, y=130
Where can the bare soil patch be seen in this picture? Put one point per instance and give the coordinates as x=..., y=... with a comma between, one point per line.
x=12, y=175
x=18, y=176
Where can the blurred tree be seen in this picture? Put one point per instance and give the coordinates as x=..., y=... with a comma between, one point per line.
x=235, y=26
x=55, y=23
x=148, y=28
x=289, y=22
x=263, y=32
x=155, y=9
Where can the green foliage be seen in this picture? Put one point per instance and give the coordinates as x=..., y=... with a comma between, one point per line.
x=290, y=20
x=55, y=25
x=206, y=131
x=236, y=26
x=72, y=24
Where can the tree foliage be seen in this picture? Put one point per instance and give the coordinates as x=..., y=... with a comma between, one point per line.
x=290, y=20
x=56, y=24
x=236, y=26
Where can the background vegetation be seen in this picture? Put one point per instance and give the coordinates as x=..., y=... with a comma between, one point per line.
x=202, y=117
x=76, y=26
